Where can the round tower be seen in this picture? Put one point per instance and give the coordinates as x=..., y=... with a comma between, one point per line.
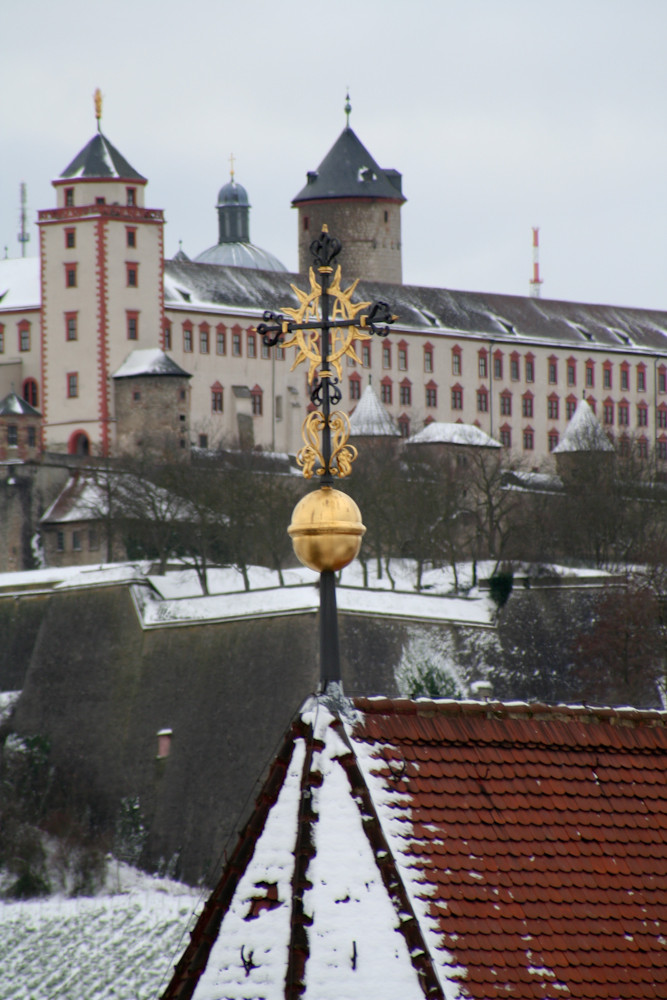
x=361, y=203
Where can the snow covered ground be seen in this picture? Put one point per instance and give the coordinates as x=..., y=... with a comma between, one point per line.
x=119, y=945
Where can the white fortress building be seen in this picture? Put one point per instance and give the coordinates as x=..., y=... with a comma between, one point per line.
x=101, y=289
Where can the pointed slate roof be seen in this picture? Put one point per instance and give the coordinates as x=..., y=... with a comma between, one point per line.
x=371, y=418
x=149, y=361
x=408, y=849
x=100, y=159
x=349, y=171
x=13, y=406
x=584, y=432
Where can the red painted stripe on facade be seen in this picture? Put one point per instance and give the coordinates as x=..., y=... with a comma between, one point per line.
x=102, y=335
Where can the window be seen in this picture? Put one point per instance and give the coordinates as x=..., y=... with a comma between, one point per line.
x=386, y=391
x=432, y=396
x=32, y=437
x=130, y=236
x=70, y=275
x=132, y=275
x=306, y=223
x=256, y=397
x=2, y=338
x=456, y=360
x=642, y=415
x=366, y=355
x=514, y=368
x=12, y=435
x=528, y=439
x=69, y=197
x=506, y=404
x=252, y=345
x=280, y=354
x=570, y=406
x=265, y=350
x=482, y=365
x=482, y=400
x=552, y=408
x=592, y=403
x=530, y=369
x=606, y=375
x=386, y=356
x=497, y=365
x=236, y=341
x=428, y=359
x=216, y=398
x=76, y=541
x=506, y=436
x=641, y=378
x=60, y=541
x=623, y=414
x=527, y=404
x=30, y=391
x=402, y=358
x=204, y=338
x=24, y=335
x=131, y=196
x=93, y=539
x=590, y=374
x=72, y=385
x=203, y=440
x=608, y=413
x=70, y=239
x=662, y=448
x=70, y=326
x=133, y=326
x=187, y=337
x=625, y=376
x=553, y=440
x=571, y=372
x=642, y=447
x=355, y=388
x=553, y=371
x=220, y=339
x=662, y=379
x=136, y=395
x=662, y=417
x=404, y=425
x=100, y=201
x=406, y=392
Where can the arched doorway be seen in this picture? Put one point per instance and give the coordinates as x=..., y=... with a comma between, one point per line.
x=78, y=444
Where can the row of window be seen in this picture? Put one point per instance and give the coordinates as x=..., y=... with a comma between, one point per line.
x=206, y=339
x=130, y=195
x=131, y=274
x=256, y=401
x=130, y=237
x=77, y=538
x=13, y=436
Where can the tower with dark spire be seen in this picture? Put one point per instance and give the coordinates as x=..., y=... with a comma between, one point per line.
x=359, y=201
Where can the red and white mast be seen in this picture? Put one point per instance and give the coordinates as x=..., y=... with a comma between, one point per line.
x=536, y=281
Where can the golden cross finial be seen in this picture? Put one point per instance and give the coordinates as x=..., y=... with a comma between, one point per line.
x=97, y=97
x=231, y=165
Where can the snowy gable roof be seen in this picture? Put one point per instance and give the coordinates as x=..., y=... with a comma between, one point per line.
x=150, y=361
x=371, y=417
x=446, y=433
x=403, y=849
x=584, y=432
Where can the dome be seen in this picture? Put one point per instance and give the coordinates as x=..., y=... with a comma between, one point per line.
x=240, y=254
x=233, y=194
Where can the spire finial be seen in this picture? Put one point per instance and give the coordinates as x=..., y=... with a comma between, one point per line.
x=231, y=166
x=348, y=108
x=97, y=97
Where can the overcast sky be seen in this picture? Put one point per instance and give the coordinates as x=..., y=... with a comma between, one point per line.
x=500, y=114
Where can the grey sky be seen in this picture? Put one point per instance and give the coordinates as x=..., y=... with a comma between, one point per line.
x=501, y=114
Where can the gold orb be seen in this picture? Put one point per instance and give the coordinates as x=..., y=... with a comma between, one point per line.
x=326, y=529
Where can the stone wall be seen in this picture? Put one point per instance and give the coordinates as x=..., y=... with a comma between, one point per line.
x=371, y=245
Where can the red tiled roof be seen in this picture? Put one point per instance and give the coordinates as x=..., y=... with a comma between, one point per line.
x=541, y=836
x=523, y=849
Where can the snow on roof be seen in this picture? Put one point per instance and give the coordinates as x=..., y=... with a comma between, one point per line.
x=584, y=432
x=13, y=405
x=398, y=849
x=445, y=433
x=87, y=497
x=150, y=361
x=19, y=283
x=371, y=417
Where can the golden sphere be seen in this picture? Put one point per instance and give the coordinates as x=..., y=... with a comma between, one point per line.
x=326, y=529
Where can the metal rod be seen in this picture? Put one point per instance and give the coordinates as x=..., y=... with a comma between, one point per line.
x=329, y=650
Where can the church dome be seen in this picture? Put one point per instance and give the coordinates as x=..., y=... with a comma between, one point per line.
x=240, y=254
x=232, y=193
